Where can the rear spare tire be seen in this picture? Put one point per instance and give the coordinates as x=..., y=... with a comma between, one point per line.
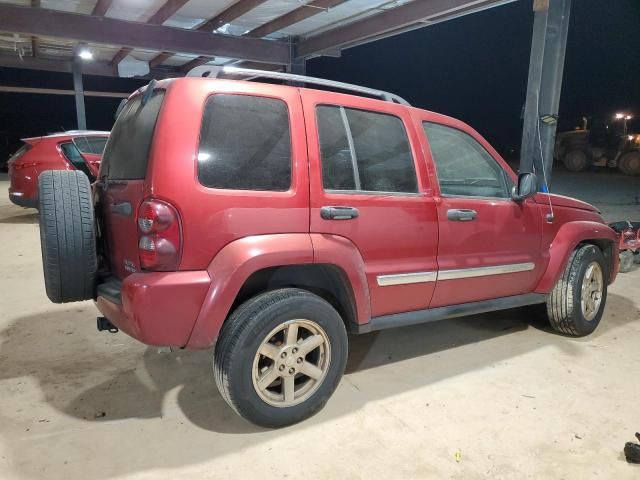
x=67, y=235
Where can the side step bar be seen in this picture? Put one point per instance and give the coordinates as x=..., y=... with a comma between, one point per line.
x=452, y=311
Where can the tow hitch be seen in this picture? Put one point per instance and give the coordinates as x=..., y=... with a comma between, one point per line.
x=104, y=324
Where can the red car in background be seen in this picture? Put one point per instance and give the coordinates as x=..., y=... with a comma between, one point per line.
x=72, y=150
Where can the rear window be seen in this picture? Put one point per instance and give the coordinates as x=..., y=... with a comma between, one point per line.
x=93, y=145
x=127, y=153
x=245, y=144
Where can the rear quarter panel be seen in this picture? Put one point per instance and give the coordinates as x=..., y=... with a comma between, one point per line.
x=213, y=218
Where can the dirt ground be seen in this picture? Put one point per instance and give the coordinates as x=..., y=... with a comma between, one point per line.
x=491, y=396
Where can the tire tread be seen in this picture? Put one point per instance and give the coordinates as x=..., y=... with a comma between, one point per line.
x=67, y=235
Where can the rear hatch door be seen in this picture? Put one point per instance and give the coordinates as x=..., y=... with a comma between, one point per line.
x=121, y=186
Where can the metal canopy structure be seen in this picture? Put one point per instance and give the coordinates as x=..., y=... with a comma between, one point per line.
x=171, y=37
x=174, y=36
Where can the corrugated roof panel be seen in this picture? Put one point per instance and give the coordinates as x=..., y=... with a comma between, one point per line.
x=345, y=13
x=134, y=10
x=262, y=14
x=197, y=11
x=75, y=6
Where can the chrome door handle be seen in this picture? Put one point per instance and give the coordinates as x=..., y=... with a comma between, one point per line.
x=461, y=215
x=339, y=213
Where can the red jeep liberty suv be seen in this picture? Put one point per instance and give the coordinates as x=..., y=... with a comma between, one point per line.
x=266, y=221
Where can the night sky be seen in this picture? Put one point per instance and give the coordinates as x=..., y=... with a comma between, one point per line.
x=473, y=68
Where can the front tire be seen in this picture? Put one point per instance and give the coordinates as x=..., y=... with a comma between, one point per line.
x=280, y=356
x=576, y=303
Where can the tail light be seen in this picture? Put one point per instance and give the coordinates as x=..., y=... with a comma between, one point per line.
x=159, y=230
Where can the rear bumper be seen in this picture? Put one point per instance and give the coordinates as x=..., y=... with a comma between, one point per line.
x=19, y=198
x=158, y=308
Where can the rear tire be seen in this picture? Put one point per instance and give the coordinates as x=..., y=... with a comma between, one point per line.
x=575, y=292
x=629, y=163
x=577, y=160
x=67, y=235
x=259, y=354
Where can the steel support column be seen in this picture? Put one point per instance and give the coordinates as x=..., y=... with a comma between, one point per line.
x=546, y=65
x=79, y=94
x=297, y=64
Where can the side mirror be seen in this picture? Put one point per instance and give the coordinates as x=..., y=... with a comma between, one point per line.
x=527, y=187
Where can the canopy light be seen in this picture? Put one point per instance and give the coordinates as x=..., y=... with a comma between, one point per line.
x=85, y=54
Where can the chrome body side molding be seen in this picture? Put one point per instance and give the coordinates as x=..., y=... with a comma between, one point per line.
x=485, y=271
x=424, y=277
x=406, y=278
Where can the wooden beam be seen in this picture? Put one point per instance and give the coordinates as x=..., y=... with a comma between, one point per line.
x=159, y=59
x=230, y=14
x=122, y=53
x=166, y=11
x=390, y=22
x=58, y=91
x=294, y=16
x=101, y=8
x=172, y=6
x=196, y=62
x=110, y=31
x=104, y=69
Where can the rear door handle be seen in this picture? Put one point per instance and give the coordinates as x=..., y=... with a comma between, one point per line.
x=338, y=213
x=461, y=215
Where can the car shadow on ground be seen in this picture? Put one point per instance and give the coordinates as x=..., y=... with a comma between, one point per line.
x=119, y=379
x=28, y=216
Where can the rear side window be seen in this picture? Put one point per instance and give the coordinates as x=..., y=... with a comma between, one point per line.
x=72, y=154
x=364, y=151
x=245, y=144
x=93, y=145
x=127, y=153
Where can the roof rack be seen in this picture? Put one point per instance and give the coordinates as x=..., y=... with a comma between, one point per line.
x=389, y=97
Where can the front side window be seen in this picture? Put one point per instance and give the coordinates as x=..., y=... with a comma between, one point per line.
x=364, y=151
x=245, y=144
x=464, y=167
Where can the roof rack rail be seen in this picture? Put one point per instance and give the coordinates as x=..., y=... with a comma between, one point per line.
x=389, y=97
